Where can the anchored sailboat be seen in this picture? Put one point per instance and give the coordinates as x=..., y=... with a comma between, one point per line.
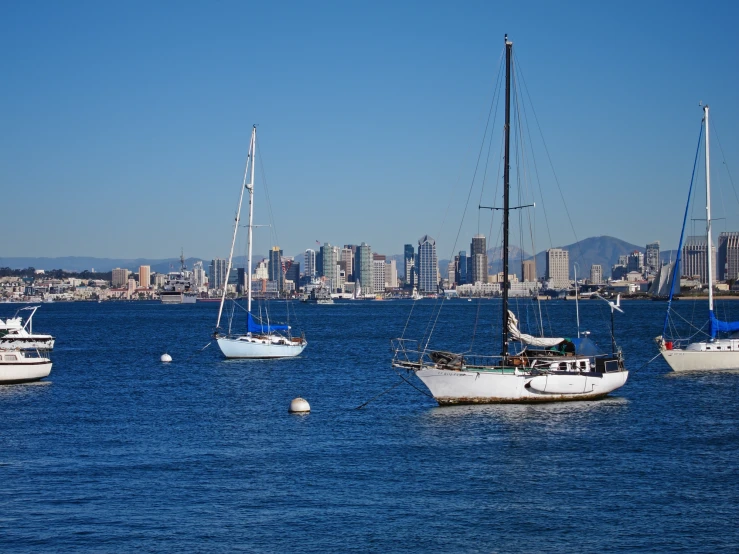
x=546, y=369
x=263, y=339
x=713, y=353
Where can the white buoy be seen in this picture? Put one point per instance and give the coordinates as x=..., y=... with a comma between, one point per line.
x=166, y=358
x=299, y=406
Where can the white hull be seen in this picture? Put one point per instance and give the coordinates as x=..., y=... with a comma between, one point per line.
x=267, y=346
x=178, y=298
x=16, y=368
x=489, y=387
x=700, y=360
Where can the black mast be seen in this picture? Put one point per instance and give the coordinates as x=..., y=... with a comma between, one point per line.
x=506, y=186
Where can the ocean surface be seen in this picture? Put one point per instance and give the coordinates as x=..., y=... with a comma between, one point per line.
x=118, y=452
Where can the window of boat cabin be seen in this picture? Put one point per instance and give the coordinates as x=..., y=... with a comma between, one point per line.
x=11, y=358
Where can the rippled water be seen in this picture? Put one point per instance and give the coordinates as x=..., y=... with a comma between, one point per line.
x=118, y=452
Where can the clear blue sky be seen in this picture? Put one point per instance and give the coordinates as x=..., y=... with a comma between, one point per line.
x=125, y=126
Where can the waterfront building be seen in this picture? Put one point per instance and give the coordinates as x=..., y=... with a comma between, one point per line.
x=694, y=259
x=428, y=267
x=478, y=260
x=528, y=270
x=330, y=264
x=558, y=268
x=363, y=268
x=292, y=269
x=728, y=256
x=145, y=276
x=119, y=277
x=378, y=273
x=217, y=273
x=409, y=264
x=460, y=268
x=309, y=263
x=651, y=257
x=596, y=274
x=261, y=271
x=275, y=268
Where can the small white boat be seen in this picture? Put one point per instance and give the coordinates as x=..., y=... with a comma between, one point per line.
x=15, y=333
x=17, y=366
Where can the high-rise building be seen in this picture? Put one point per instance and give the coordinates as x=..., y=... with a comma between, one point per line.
x=428, y=268
x=144, y=276
x=378, y=273
x=198, y=274
x=635, y=262
x=528, y=270
x=346, y=255
x=693, y=262
x=478, y=260
x=409, y=263
x=460, y=268
x=119, y=277
x=728, y=256
x=292, y=270
x=391, y=274
x=596, y=274
x=309, y=258
x=363, y=268
x=330, y=264
x=217, y=273
x=275, y=268
x=651, y=257
x=558, y=268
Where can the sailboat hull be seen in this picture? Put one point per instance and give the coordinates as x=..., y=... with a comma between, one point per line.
x=491, y=387
x=260, y=347
x=695, y=357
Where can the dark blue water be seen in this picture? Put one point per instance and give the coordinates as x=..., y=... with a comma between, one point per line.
x=117, y=452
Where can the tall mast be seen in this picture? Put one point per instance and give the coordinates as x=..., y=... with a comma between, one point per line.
x=250, y=187
x=709, y=254
x=506, y=187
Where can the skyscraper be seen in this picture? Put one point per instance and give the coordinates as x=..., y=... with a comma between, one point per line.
x=119, y=277
x=728, y=256
x=347, y=256
x=378, y=273
x=528, y=270
x=217, y=273
x=694, y=259
x=460, y=268
x=198, y=274
x=558, y=268
x=635, y=261
x=596, y=274
x=275, y=267
x=363, y=270
x=309, y=258
x=478, y=260
x=651, y=257
x=409, y=263
x=330, y=268
x=144, y=276
x=428, y=269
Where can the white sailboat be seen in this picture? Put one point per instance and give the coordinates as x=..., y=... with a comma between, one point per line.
x=543, y=370
x=713, y=353
x=262, y=339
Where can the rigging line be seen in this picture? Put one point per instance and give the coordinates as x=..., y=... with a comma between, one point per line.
x=493, y=102
x=649, y=362
x=423, y=392
x=723, y=156
x=263, y=173
x=378, y=396
x=551, y=165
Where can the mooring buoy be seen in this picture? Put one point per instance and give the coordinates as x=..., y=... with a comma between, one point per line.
x=299, y=406
x=166, y=358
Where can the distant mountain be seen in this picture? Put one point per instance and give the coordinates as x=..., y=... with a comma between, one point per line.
x=603, y=251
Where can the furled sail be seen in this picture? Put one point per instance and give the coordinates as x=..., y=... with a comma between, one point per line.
x=718, y=326
x=544, y=342
x=258, y=327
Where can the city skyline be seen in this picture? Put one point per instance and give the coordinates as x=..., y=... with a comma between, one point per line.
x=147, y=131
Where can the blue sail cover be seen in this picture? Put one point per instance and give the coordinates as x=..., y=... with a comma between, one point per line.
x=718, y=326
x=256, y=327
